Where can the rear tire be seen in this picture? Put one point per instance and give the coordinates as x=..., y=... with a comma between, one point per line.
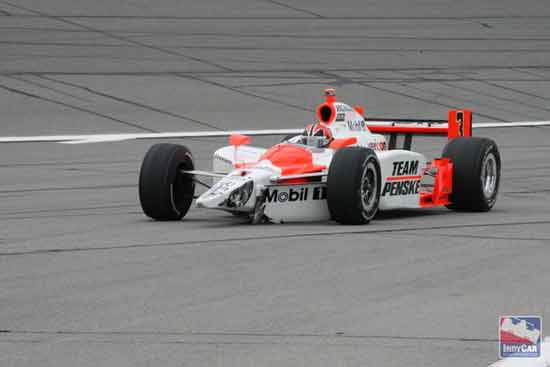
x=353, y=185
x=165, y=193
x=476, y=173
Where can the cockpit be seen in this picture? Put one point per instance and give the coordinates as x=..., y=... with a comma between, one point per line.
x=316, y=135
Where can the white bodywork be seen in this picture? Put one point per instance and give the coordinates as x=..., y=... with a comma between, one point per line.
x=281, y=202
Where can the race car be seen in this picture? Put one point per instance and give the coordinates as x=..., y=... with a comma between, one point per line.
x=344, y=167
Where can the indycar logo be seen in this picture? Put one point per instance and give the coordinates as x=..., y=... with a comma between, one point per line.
x=404, y=179
x=291, y=195
x=520, y=336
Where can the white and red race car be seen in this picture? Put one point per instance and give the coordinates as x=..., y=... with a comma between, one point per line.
x=341, y=168
x=347, y=172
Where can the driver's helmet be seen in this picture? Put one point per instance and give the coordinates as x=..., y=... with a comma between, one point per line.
x=317, y=135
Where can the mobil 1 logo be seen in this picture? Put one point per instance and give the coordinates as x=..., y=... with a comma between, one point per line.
x=295, y=194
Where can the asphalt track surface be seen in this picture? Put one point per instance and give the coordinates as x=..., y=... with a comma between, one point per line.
x=87, y=280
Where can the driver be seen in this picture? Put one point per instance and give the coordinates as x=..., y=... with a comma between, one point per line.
x=317, y=135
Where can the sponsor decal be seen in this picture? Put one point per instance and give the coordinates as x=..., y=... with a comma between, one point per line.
x=379, y=145
x=356, y=125
x=460, y=122
x=279, y=195
x=407, y=187
x=520, y=336
x=340, y=116
x=404, y=179
x=219, y=157
x=343, y=108
x=402, y=168
x=223, y=186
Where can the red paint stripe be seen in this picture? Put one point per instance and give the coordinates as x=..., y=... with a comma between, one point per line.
x=402, y=178
x=512, y=338
x=408, y=129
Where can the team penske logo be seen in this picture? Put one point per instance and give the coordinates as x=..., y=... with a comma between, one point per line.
x=277, y=195
x=408, y=187
x=404, y=179
x=403, y=168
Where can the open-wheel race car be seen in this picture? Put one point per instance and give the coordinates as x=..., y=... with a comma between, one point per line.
x=344, y=167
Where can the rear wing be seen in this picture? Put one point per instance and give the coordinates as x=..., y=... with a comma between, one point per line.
x=459, y=123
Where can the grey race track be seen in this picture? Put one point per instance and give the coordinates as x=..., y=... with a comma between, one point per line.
x=87, y=280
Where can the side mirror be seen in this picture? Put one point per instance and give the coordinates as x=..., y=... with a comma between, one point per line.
x=238, y=139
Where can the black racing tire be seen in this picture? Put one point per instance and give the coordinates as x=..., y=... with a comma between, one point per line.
x=165, y=193
x=353, y=185
x=476, y=173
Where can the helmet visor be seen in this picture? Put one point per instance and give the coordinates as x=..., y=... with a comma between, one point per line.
x=316, y=141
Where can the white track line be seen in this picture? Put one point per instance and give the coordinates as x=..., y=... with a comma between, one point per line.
x=95, y=138
x=98, y=138
x=483, y=125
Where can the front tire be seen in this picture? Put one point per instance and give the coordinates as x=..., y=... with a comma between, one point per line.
x=476, y=173
x=353, y=185
x=165, y=193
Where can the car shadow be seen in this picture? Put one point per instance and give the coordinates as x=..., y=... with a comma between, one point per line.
x=410, y=213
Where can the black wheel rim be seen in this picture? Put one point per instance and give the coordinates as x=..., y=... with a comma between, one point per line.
x=369, y=187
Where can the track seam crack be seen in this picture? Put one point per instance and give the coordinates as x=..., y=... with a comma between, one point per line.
x=239, y=240
x=120, y=38
x=249, y=94
x=296, y=9
x=402, y=94
x=130, y=102
x=339, y=335
x=77, y=108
